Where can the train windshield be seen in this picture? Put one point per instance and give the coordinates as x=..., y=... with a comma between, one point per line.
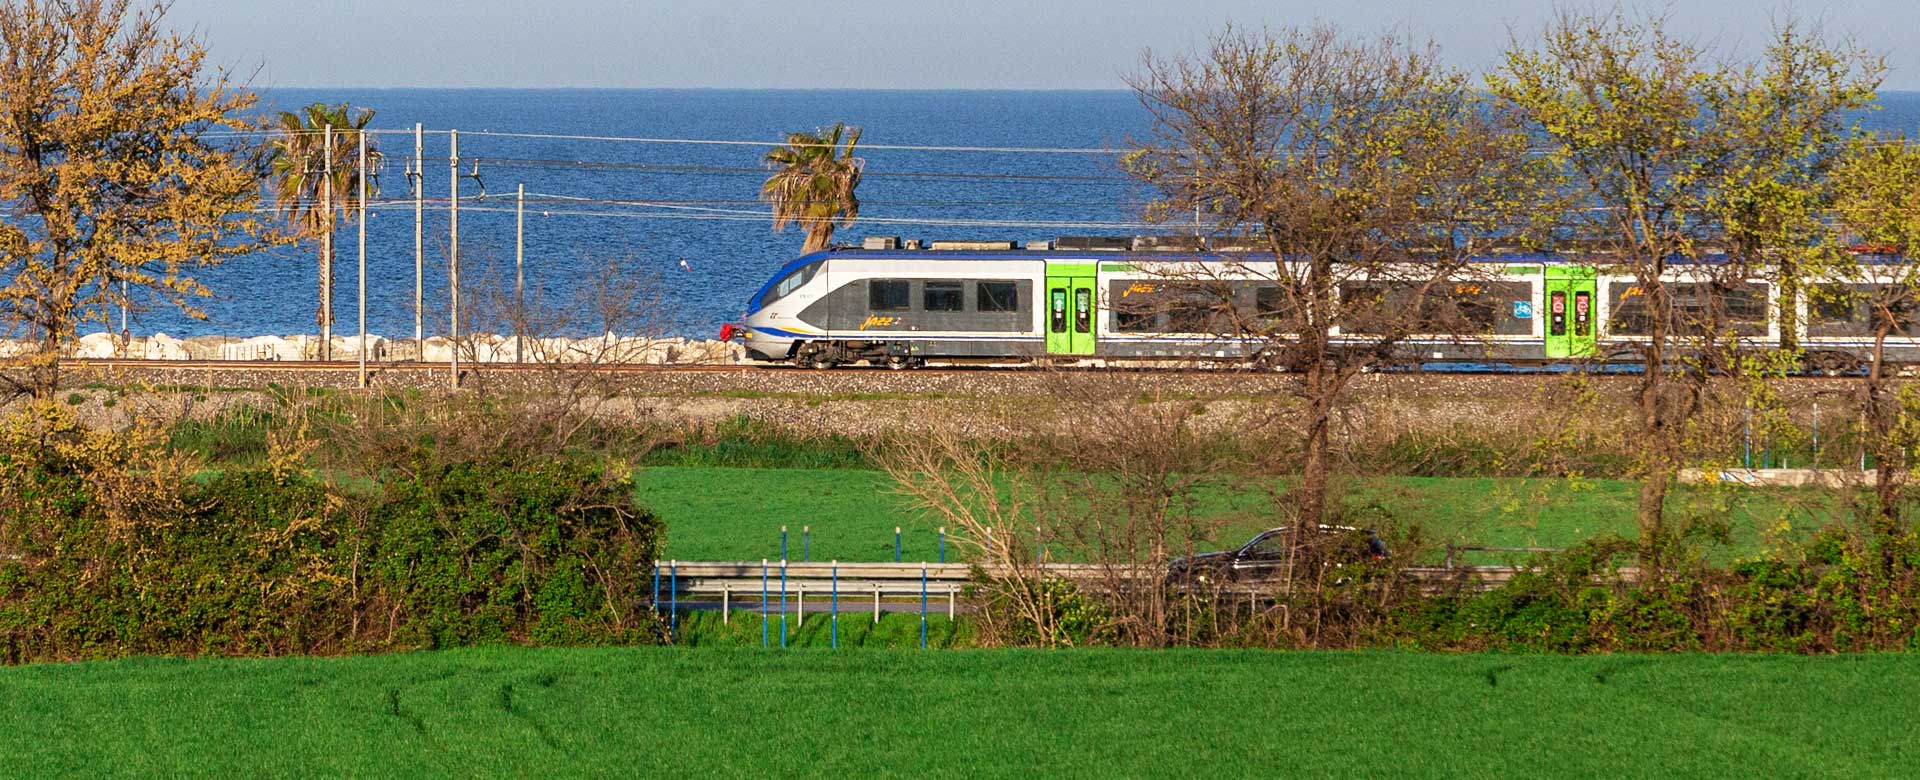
x=787, y=284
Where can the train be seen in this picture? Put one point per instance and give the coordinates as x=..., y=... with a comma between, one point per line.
x=1097, y=300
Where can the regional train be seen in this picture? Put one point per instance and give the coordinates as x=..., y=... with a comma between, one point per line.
x=1109, y=300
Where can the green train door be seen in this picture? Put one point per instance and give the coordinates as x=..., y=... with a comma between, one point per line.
x=1071, y=308
x=1571, y=329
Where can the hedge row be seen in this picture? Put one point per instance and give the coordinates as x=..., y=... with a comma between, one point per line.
x=109, y=548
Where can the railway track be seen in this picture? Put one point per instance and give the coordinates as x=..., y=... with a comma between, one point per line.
x=351, y=366
x=322, y=366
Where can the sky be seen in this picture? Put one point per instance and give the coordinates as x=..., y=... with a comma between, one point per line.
x=883, y=44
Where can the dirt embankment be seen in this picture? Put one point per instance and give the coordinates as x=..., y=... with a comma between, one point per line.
x=976, y=403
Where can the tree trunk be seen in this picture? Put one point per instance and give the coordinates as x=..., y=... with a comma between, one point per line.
x=324, y=318
x=45, y=368
x=1789, y=307
x=1314, y=469
x=1888, y=468
x=819, y=237
x=1322, y=385
x=1659, y=458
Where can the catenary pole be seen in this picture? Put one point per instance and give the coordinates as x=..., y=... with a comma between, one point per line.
x=419, y=243
x=519, y=273
x=453, y=256
x=327, y=243
x=363, y=258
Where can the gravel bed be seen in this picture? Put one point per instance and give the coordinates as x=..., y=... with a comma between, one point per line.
x=976, y=403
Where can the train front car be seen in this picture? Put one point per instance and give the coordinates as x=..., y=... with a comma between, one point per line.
x=772, y=327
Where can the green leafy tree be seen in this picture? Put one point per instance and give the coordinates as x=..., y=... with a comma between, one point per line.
x=1788, y=119
x=813, y=182
x=123, y=167
x=316, y=185
x=1877, y=202
x=1672, y=155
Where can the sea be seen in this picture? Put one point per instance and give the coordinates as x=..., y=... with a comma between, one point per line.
x=610, y=190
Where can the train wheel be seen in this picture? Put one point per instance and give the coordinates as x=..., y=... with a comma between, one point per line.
x=899, y=363
x=820, y=361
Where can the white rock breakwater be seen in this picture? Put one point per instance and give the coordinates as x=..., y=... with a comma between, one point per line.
x=489, y=348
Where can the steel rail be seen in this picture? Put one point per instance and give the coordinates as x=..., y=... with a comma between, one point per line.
x=943, y=368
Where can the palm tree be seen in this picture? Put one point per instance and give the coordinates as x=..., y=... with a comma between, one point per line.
x=313, y=201
x=812, y=184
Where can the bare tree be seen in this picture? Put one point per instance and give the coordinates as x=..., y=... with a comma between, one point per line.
x=564, y=351
x=1124, y=479
x=1366, y=177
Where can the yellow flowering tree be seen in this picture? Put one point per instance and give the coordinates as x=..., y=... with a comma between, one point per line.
x=125, y=169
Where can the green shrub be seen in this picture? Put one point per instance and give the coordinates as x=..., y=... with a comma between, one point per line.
x=108, y=548
x=546, y=553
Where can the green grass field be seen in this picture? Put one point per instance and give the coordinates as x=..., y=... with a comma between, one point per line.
x=667, y=712
x=715, y=513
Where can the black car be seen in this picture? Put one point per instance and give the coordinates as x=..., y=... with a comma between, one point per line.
x=1263, y=557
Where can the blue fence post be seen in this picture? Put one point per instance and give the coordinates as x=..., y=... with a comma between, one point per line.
x=923, y=605
x=896, y=544
x=1816, y=434
x=943, y=544
x=763, y=602
x=1747, y=458
x=834, y=622
x=806, y=543
x=673, y=602
x=783, y=603
x=656, y=587
x=783, y=542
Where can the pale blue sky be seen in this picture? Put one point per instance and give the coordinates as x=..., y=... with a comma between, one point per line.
x=995, y=44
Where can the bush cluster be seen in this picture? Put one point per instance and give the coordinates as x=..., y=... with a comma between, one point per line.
x=1836, y=593
x=111, y=545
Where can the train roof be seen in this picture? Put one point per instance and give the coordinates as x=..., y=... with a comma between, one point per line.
x=1095, y=255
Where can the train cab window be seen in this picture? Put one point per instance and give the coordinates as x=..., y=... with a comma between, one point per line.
x=944, y=296
x=889, y=295
x=998, y=296
x=794, y=280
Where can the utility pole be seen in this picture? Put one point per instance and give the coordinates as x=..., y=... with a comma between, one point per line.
x=326, y=244
x=519, y=274
x=363, y=258
x=453, y=256
x=419, y=178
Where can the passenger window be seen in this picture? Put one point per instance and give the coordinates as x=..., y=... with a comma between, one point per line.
x=1057, y=304
x=1268, y=301
x=998, y=296
x=890, y=295
x=944, y=296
